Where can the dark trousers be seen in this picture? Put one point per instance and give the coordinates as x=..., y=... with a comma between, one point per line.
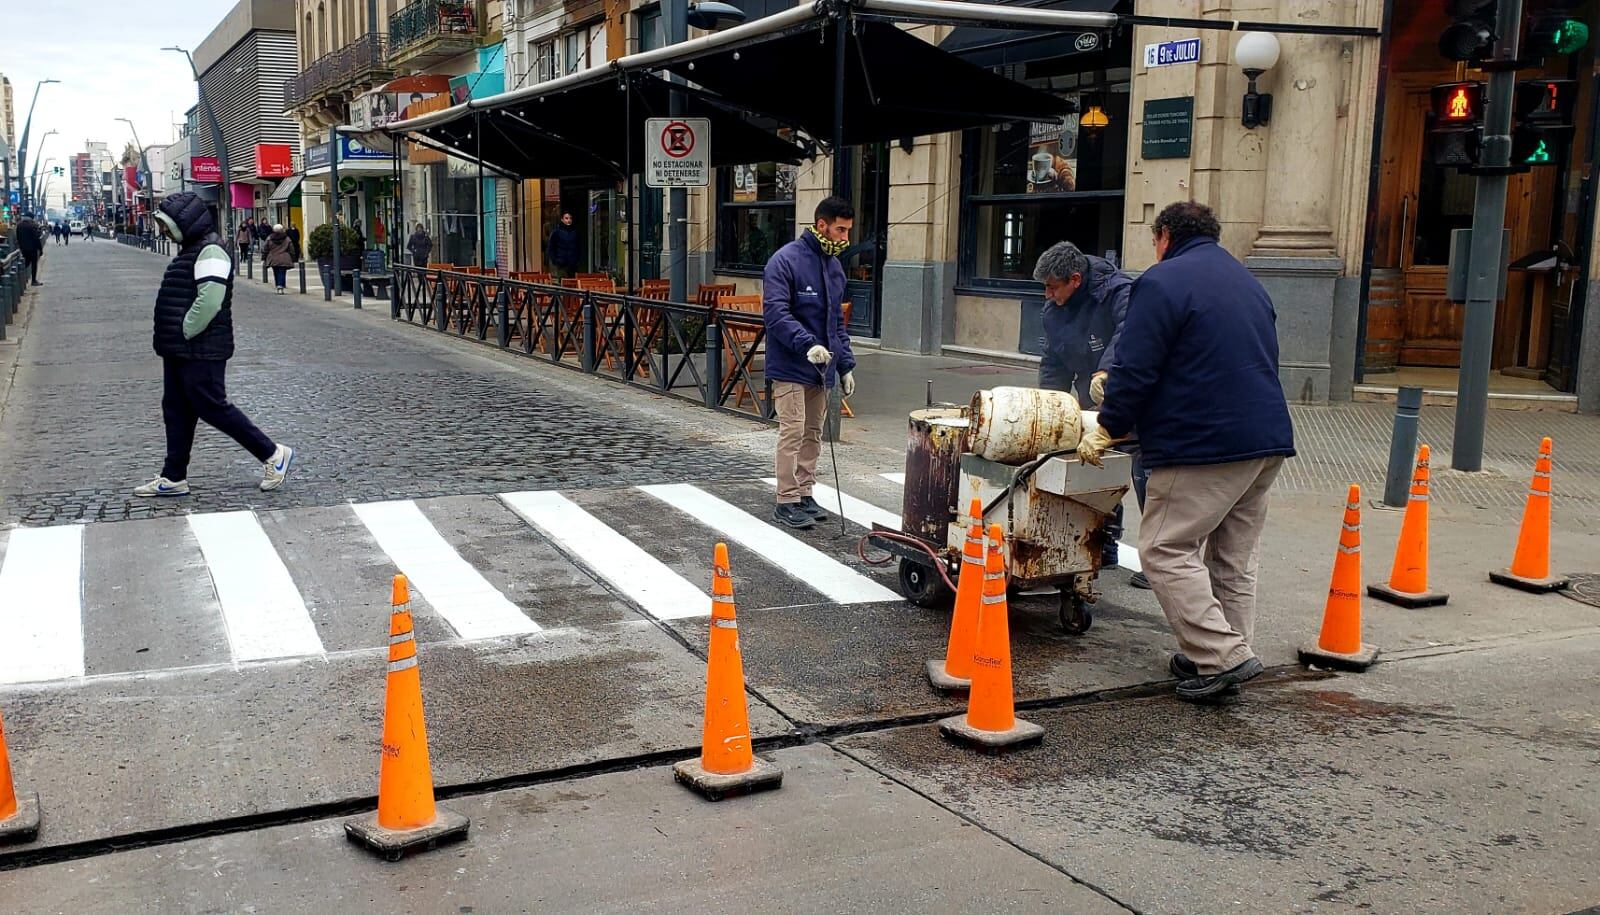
x=31, y=258
x=280, y=275
x=196, y=389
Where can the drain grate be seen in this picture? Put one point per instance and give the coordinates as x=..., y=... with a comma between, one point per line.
x=1585, y=587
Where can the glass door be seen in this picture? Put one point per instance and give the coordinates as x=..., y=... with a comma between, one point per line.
x=863, y=260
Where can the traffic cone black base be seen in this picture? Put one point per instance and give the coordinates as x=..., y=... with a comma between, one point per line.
x=1310, y=654
x=394, y=844
x=761, y=776
x=1019, y=735
x=943, y=682
x=1406, y=599
x=22, y=826
x=1533, y=585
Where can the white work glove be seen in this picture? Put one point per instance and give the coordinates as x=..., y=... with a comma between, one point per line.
x=1097, y=388
x=818, y=355
x=847, y=383
x=1093, y=446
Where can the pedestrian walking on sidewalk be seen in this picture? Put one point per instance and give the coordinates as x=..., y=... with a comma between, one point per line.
x=278, y=253
x=1196, y=372
x=561, y=250
x=30, y=241
x=194, y=338
x=420, y=245
x=1086, y=302
x=808, y=351
x=245, y=237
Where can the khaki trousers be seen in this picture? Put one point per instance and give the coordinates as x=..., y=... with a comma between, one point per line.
x=800, y=408
x=1200, y=545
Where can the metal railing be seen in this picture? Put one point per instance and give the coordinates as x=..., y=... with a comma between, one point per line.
x=691, y=352
x=426, y=19
x=152, y=243
x=364, y=58
x=13, y=282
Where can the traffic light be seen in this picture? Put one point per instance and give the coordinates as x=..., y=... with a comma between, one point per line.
x=1455, y=124
x=1543, y=113
x=1471, y=34
x=1553, y=33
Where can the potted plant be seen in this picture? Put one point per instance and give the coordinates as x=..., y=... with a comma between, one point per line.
x=319, y=247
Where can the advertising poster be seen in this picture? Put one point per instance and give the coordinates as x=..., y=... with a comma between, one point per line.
x=1053, y=154
x=205, y=168
x=744, y=184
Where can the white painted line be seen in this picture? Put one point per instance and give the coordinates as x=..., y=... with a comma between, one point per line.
x=828, y=576
x=898, y=479
x=861, y=512
x=455, y=590
x=41, y=605
x=659, y=591
x=261, y=608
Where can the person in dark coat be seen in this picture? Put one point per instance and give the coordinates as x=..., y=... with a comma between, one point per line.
x=420, y=244
x=1196, y=372
x=808, y=350
x=30, y=241
x=294, y=242
x=1086, y=302
x=278, y=253
x=562, y=250
x=194, y=338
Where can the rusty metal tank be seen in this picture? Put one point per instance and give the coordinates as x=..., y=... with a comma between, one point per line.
x=1016, y=425
x=934, y=440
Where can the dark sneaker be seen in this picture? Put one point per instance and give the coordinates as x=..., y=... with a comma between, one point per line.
x=1183, y=668
x=1139, y=581
x=813, y=509
x=1208, y=688
x=1108, y=557
x=793, y=515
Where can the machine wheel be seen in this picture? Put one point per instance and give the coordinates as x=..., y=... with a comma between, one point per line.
x=1076, y=617
x=922, y=585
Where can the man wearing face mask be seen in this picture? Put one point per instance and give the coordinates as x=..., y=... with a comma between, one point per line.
x=194, y=338
x=808, y=350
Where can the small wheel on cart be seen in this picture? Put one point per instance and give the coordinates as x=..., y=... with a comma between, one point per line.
x=1076, y=618
x=922, y=585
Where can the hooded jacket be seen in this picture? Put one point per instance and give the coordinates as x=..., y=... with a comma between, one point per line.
x=194, y=314
x=1080, y=337
x=802, y=296
x=562, y=248
x=279, y=250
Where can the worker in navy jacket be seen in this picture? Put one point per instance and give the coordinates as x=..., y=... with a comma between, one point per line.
x=1196, y=372
x=808, y=350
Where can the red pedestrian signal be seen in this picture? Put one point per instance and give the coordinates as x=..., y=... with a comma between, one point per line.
x=1455, y=123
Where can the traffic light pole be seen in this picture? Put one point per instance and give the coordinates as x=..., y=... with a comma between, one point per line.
x=1484, y=258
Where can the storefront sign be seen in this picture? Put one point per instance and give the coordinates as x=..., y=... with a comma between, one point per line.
x=274, y=160
x=744, y=184
x=353, y=149
x=1053, y=155
x=677, y=152
x=205, y=168
x=1168, y=126
x=1167, y=53
x=317, y=157
x=375, y=110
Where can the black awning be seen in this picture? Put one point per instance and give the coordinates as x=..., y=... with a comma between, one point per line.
x=896, y=84
x=1001, y=47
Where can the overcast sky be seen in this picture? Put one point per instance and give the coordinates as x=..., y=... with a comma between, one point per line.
x=108, y=57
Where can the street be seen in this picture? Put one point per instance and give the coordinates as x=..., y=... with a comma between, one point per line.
x=194, y=686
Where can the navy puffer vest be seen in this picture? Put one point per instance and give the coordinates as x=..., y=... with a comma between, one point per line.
x=178, y=288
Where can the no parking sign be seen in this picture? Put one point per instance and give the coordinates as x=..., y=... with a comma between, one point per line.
x=677, y=152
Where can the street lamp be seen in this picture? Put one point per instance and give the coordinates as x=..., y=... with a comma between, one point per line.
x=36, y=183
x=22, y=148
x=1256, y=53
x=225, y=198
x=148, y=181
x=33, y=179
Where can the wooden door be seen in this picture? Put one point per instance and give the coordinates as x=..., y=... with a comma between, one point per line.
x=1434, y=201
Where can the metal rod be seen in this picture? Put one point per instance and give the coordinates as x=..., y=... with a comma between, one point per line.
x=675, y=14
x=333, y=176
x=1402, y=447
x=483, y=237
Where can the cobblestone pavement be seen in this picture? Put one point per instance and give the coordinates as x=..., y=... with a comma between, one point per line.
x=375, y=412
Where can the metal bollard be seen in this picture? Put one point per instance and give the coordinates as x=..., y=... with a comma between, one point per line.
x=302, y=266
x=355, y=287
x=327, y=284
x=1402, y=447
x=249, y=267
x=264, y=270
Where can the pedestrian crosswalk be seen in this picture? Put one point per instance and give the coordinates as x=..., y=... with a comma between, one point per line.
x=245, y=587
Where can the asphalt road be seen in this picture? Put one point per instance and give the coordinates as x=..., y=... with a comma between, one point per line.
x=195, y=687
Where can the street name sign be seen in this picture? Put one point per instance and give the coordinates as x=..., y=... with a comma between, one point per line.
x=1167, y=53
x=677, y=152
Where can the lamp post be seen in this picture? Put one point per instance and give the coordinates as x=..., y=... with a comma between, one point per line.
x=225, y=197
x=33, y=179
x=36, y=183
x=22, y=148
x=148, y=181
x=1256, y=53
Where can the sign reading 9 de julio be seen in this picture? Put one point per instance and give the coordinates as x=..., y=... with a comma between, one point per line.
x=677, y=152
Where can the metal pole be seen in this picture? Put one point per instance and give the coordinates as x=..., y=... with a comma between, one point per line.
x=333, y=176
x=675, y=19
x=1402, y=447
x=477, y=139
x=22, y=147
x=633, y=228
x=1484, y=263
x=834, y=419
x=302, y=266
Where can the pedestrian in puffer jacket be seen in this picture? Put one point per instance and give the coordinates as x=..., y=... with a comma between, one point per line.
x=278, y=253
x=194, y=338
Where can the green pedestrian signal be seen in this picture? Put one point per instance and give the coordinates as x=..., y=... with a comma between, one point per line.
x=1553, y=33
x=1540, y=154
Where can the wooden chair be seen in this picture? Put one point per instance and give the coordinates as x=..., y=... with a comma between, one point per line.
x=594, y=276
x=528, y=277
x=655, y=289
x=737, y=340
x=708, y=293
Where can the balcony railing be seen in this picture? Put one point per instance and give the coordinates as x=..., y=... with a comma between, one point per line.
x=427, y=19
x=363, y=59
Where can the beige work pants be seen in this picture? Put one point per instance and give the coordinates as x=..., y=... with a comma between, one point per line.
x=1200, y=545
x=800, y=408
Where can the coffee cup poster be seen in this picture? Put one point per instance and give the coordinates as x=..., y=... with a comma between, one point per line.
x=1053, y=156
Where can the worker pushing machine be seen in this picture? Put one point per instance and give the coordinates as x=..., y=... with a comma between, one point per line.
x=1196, y=372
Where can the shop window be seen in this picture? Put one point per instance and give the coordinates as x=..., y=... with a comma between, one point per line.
x=544, y=61
x=1026, y=186
x=583, y=48
x=755, y=214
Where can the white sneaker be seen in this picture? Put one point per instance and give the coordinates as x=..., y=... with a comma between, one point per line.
x=276, y=468
x=161, y=486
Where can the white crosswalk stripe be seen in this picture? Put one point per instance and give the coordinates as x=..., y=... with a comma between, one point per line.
x=41, y=607
x=261, y=607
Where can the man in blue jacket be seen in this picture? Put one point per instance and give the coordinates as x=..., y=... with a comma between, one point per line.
x=808, y=350
x=1196, y=372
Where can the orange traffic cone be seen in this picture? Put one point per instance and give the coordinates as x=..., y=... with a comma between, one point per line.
x=991, y=723
x=727, y=765
x=19, y=812
x=1530, y=565
x=953, y=672
x=1408, y=580
x=1340, y=644
x=407, y=817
